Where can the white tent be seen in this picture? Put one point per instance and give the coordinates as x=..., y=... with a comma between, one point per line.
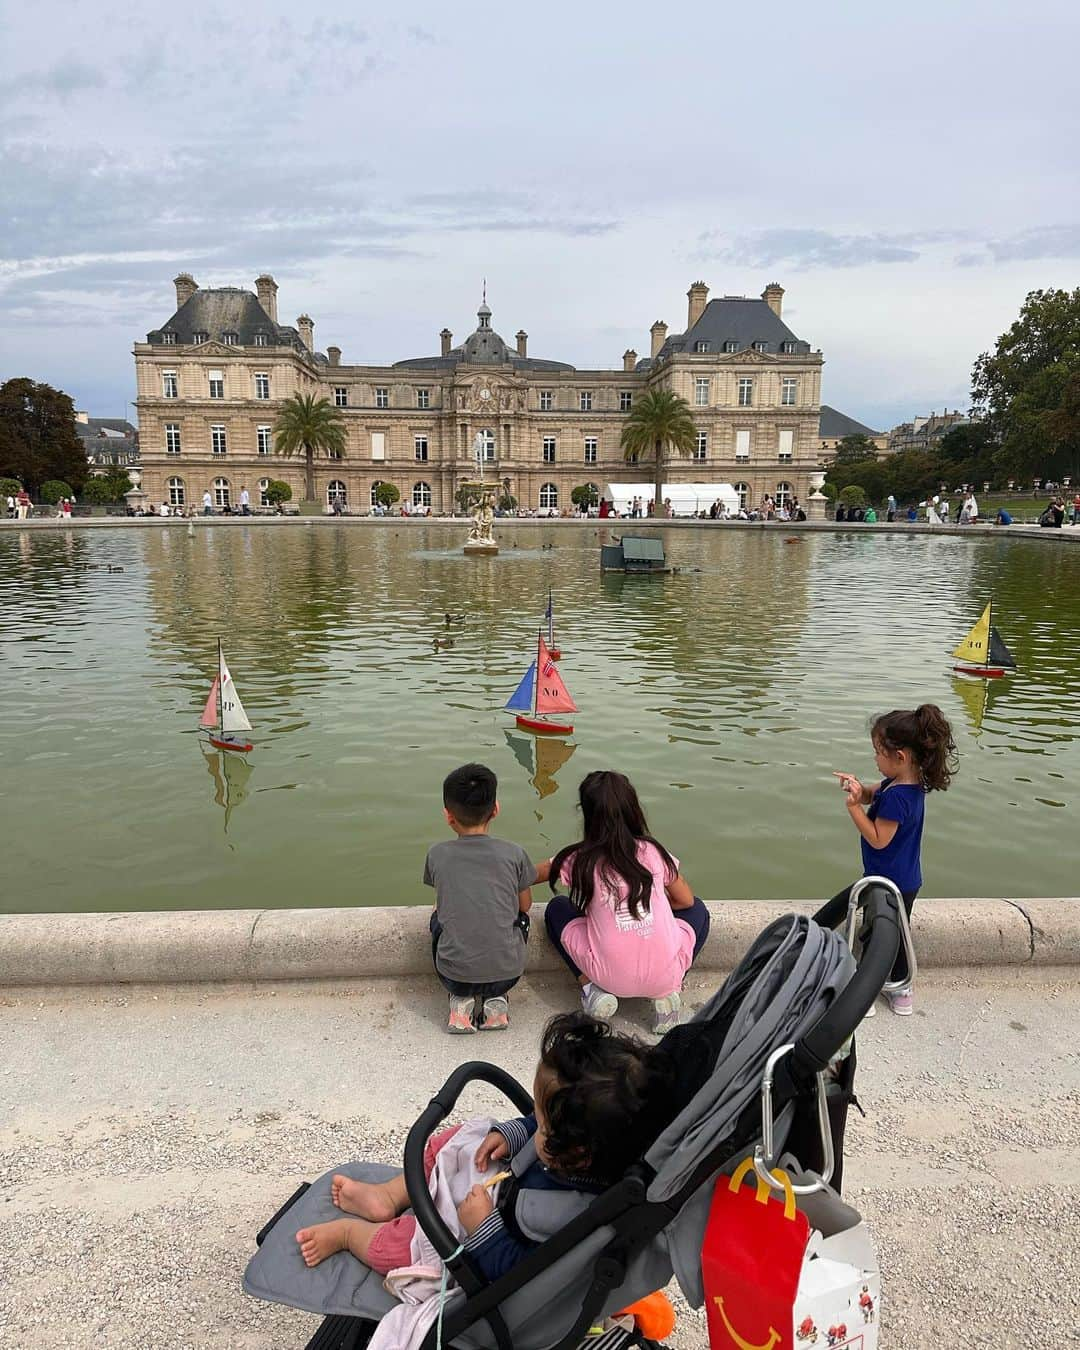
x=687, y=499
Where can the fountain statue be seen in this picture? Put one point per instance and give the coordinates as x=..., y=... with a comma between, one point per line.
x=481, y=538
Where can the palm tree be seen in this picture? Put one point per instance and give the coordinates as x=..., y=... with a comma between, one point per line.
x=658, y=419
x=309, y=424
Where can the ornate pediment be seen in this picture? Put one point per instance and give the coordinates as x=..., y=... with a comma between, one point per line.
x=213, y=348
x=491, y=396
x=749, y=357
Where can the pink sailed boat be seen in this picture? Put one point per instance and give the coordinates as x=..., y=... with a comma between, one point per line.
x=224, y=714
x=540, y=693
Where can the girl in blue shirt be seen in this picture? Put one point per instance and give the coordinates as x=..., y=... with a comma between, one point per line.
x=915, y=752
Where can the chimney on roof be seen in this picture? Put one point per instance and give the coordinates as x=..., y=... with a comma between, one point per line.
x=659, y=337
x=446, y=338
x=629, y=359
x=266, y=288
x=334, y=353
x=773, y=295
x=82, y=417
x=306, y=328
x=698, y=296
x=522, y=341
x=186, y=286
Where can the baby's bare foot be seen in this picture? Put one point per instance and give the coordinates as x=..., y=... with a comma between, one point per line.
x=322, y=1240
x=366, y=1199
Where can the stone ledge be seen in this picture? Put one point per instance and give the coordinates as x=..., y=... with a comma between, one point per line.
x=222, y=946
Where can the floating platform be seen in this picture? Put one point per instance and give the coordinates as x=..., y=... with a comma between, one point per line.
x=637, y=554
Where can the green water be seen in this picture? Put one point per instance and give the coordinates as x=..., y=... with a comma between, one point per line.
x=727, y=694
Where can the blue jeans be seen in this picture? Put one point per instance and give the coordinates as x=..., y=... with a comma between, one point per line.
x=560, y=911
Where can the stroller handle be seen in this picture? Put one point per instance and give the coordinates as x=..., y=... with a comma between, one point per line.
x=436, y=1111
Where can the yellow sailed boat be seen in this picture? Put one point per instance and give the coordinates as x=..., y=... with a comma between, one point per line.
x=982, y=652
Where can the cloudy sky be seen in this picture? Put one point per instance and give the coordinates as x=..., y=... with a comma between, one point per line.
x=907, y=175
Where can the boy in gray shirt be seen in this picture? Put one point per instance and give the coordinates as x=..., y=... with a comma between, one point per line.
x=482, y=900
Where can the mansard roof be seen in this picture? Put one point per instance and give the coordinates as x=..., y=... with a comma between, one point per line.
x=230, y=309
x=836, y=425
x=734, y=318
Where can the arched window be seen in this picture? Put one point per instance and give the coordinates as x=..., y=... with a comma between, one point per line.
x=374, y=488
x=421, y=494
x=549, y=497
x=263, y=484
x=336, y=493
x=743, y=489
x=176, y=491
x=783, y=494
x=221, y=492
x=487, y=445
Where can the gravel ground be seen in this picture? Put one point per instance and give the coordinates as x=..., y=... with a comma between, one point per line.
x=146, y=1135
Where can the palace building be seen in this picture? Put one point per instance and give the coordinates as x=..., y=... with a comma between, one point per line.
x=211, y=379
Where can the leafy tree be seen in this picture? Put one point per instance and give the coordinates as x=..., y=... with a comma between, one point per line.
x=10, y=487
x=852, y=495
x=868, y=475
x=508, y=502
x=53, y=490
x=855, y=449
x=585, y=494
x=306, y=424
x=466, y=497
x=277, y=492
x=829, y=491
x=658, y=422
x=37, y=436
x=1028, y=387
x=108, y=487
x=386, y=494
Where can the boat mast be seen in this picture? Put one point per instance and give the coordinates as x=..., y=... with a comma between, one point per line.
x=989, y=629
x=536, y=680
x=220, y=691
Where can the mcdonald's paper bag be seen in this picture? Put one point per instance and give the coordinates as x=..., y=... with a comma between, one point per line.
x=772, y=1285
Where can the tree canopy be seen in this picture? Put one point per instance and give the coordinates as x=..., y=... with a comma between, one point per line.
x=855, y=449
x=307, y=425
x=1028, y=387
x=658, y=421
x=37, y=436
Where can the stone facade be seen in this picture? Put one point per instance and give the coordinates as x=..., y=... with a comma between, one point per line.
x=210, y=382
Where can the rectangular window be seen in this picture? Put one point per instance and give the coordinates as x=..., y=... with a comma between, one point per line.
x=169, y=386
x=382, y=398
x=730, y=346
x=701, y=346
x=423, y=398
x=701, y=445
x=546, y=400
x=262, y=340
x=420, y=450
x=787, y=348
x=217, y=387
x=549, y=449
x=168, y=339
x=701, y=393
x=172, y=438
x=626, y=400
x=262, y=439
x=217, y=439
x=759, y=346
x=746, y=392
x=590, y=449
x=262, y=386
x=378, y=445
x=784, y=448
x=788, y=386
x=341, y=396
x=229, y=339
x=585, y=400
x=742, y=444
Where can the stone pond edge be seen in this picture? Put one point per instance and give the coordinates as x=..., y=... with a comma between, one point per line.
x=223, y=946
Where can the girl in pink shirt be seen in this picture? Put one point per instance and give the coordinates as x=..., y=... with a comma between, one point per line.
x=630, y=926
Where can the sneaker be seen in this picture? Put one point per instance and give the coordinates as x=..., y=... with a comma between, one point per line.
x=460, y=1022
x=667, y=1012
x=902, y=1004
x=496, y=1014
x=598, y=1002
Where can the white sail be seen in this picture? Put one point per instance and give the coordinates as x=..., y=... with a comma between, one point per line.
x=233, y=717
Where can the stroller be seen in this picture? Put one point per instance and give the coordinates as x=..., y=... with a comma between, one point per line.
x=751, y=1082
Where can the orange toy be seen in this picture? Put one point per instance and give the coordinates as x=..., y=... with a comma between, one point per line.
x=654, y=1315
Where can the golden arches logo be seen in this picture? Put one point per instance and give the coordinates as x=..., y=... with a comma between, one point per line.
x=774, y=1336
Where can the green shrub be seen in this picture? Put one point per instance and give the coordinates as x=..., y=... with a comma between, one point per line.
x=386, y=494
x=10, y=487
x=828, y=491
x=585, y=494
x=852, y=496
x=277, y=492
x=53, y=491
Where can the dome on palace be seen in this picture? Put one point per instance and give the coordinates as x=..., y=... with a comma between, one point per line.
x=484, y=347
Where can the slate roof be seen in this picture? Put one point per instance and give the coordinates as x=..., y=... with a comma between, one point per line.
x=836, y=425
x=733, y=319
x=230, y=309
x=484, y=347
x=108, y=440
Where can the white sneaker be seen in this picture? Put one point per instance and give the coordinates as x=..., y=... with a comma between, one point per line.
x=598, y=1002
x=872, y=1010
x=667, y=1011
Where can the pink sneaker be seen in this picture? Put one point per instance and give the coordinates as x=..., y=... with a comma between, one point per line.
x=902, y=1004
x=496, y=1015
x=460, y=1022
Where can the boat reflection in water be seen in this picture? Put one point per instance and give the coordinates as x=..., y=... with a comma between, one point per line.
x=230, y=773
x=541, y=758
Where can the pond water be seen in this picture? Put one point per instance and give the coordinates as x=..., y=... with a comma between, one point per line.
x=728, y=694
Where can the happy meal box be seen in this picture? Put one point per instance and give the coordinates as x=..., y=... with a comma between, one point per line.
x=773, y=1284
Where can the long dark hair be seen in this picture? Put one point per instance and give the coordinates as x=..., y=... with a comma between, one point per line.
x=606, y=1097
x=925, y=734
x=614, y=826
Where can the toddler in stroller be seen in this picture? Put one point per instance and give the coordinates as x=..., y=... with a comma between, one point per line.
x=782, y=1016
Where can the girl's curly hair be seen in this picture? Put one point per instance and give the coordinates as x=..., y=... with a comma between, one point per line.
x=606, y=1096
x=926, y=735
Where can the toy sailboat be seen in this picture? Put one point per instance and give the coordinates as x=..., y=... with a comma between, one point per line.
x=982, y=652
x=224, y=713
x=540, y=692
x=549, y=614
